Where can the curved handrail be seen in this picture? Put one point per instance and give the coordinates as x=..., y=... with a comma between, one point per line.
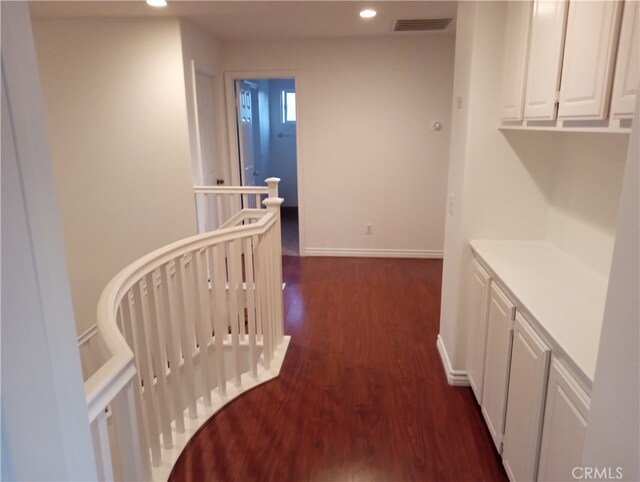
x=111, y=377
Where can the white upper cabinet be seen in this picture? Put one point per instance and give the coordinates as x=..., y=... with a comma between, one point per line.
x=545, y=59
x=625, y=80
x=592, y=33
x=514, y=62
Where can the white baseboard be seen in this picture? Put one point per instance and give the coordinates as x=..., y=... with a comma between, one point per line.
x=457, y=378
x=374, y=253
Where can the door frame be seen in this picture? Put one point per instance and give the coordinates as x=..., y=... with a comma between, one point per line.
x=230, y=79
x=217, y=79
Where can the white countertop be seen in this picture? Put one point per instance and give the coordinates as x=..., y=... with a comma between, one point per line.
x=564, y=298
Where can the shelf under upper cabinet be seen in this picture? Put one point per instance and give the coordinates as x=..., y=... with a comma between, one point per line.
x=562, y=298
x=615, y=126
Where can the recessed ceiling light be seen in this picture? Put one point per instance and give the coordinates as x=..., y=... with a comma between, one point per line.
x=368, y=13
x=157, y=3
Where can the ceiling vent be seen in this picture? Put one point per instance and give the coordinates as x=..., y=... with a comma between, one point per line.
x=421, y=24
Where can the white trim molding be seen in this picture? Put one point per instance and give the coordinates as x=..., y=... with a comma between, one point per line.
x=374, y=253
x=456, y=378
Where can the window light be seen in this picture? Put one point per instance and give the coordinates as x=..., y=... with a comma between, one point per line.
x=157, y=3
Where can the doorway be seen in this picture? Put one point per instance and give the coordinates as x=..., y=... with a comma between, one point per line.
x=266, y=126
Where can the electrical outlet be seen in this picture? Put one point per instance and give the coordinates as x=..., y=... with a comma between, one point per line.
x=369, y=229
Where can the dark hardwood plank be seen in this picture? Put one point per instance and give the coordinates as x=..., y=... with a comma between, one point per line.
x=362, y=394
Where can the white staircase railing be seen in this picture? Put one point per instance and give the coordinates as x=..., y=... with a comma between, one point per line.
x=187, y=327
x=215, y=205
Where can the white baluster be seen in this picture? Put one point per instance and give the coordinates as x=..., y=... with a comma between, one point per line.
x=188, y=343
x=100, y=434
x=251, y=306
x=273, y=206
x=171, y=322
x=156, y=347
x=201, y=292
x=143, y=356
x=219, y=279
x=219, y=209
x=235, y=284
x=129, y=312
x=129, y=441
x=263, y=290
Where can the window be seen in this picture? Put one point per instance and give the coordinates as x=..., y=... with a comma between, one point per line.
x=288, y=106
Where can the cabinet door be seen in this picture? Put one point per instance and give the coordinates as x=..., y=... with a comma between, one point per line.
x=565, y=424
x=545, y=59
x=514, y=61
x=525, y=403
x=625, y=79
x=479, y=283
x=497, y=359
x=592, y=31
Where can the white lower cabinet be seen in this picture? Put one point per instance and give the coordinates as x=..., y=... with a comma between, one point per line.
x=525, y=402
x=532, y=402
x=479, y=283
x=497, y=360
x=565, y=424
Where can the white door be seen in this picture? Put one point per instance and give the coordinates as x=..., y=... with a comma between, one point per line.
x=479, y=283
x=625, y=79
x=514, y=61
x=245, y=132
x=565, y=424
x=525, y=403
x=497, y=359
x=210, y=172
x=545, y=59
x=592, y=34
x=206, y=129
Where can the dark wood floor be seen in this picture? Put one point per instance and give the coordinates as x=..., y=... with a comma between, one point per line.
x=362, y=395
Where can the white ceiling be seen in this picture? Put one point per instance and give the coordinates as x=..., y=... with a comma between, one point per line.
x=236, y=20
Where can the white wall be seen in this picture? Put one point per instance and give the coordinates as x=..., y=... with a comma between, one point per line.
x=282, y=150
x=264, y=129
x=45, y=429
x=495, y=195
x=613, y=435
x=584, y=202
x=366, y=150
x=203, y=51
x=114, y=94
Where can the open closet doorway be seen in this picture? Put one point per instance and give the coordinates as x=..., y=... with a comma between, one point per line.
x=266, y=127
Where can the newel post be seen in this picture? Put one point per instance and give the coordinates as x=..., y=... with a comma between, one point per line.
x=272, y=184
x=273, y=206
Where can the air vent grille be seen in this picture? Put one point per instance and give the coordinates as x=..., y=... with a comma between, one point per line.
x=421, y=24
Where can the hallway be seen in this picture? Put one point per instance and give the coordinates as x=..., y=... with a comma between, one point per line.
x=362, y=394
